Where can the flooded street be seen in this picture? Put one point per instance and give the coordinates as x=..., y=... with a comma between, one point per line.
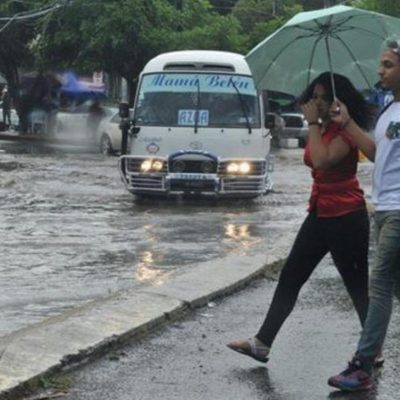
x=70, y=233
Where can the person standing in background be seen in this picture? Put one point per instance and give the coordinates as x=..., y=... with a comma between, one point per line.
x=6, y=104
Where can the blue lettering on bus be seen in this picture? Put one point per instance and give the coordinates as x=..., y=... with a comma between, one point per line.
x=212, y=81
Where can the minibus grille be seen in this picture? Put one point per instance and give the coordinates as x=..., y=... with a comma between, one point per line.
x=207, y=165
x=138, y=182
x=243, y=184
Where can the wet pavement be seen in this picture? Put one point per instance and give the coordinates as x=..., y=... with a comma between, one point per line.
x=70, y=233
x=189, y=360
x=72, y=206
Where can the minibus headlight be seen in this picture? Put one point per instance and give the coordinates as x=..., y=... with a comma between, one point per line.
x=157, y=165
x=232, y=168
x=238, y=168
x=244, y=167
x=152, y=165
x=146, y=166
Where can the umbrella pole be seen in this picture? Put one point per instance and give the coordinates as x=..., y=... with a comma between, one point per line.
x=330, y=67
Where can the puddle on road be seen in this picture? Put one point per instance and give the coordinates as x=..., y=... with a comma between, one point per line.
x=70, y=233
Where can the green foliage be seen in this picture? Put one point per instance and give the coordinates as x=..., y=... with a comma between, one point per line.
x=252, y=12
x=120, y=36
x=15, y=40
x=263, y=29
x=388, y=7
x=222, y=33
x=370, y=5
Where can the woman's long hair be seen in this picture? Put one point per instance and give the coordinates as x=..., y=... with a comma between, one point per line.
x=359, y=109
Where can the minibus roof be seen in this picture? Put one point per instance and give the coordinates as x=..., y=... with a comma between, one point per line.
x=199, y=61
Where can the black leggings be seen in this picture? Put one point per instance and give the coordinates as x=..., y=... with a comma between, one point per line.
x=347, y=239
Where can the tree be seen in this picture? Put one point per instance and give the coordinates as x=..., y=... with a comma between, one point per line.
x=263, y=29
x=223, y=7
x=388, y=7
x=119, y=37
x=252, y=12
x=19, y=22
x=14, y=42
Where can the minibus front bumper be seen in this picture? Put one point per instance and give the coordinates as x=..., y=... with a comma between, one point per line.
x=217, y=183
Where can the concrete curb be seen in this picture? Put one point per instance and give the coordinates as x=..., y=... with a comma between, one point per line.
x=86, y=332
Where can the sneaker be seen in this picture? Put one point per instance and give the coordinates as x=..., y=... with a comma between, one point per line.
x=352, y=379
x=252, y=347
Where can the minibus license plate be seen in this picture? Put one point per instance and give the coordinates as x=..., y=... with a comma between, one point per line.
x=194, y=177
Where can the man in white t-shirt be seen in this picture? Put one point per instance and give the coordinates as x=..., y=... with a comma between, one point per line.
x=384, y=150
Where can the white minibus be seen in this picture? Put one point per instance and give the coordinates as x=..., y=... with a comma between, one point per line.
x=198, y=128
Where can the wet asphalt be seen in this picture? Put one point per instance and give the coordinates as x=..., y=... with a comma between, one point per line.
x=67, y=202
x=189, y=359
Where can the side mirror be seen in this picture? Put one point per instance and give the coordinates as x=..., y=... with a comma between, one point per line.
x=270, y=121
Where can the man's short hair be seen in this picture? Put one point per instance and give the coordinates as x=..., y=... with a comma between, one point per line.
x=393, y=46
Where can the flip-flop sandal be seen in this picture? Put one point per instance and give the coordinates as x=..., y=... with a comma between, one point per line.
x=379, y=360
x=252, y=351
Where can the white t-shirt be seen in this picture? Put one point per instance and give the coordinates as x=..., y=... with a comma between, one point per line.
x=386, y=179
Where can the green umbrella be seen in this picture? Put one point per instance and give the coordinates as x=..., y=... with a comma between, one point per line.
x=339, y=39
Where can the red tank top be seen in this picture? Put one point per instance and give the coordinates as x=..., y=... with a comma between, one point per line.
x=336, y=190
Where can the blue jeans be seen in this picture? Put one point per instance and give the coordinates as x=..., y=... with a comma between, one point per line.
x=385, y=276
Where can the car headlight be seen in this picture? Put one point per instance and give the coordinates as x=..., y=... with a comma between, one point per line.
x=238, y=168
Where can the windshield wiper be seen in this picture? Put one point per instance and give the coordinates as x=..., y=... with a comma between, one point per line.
x=196, y=114
x=243, y=105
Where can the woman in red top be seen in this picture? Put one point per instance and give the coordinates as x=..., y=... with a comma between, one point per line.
x=337, y=222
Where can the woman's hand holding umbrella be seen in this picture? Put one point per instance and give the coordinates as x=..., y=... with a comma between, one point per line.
x=339, y=113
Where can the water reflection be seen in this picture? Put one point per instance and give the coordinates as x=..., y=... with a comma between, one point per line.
x=147, y=272
x=237, y=231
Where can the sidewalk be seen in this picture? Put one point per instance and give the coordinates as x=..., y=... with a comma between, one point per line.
x=189, y=360
x=81, y=334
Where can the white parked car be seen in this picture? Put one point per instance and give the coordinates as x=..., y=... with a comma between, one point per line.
x=109, y=136
x=73, y=121
x=296, y=126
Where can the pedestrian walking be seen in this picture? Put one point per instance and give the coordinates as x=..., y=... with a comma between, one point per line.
x=384, y=150
x=337, y=220
x=6, y=104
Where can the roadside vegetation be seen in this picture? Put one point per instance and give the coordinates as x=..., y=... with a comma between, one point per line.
x=120, y=36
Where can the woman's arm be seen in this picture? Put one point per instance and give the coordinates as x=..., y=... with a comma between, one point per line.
x=323, y=155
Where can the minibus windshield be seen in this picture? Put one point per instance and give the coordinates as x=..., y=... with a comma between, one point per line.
x=197, y=100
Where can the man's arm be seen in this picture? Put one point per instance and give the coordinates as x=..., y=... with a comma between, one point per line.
x=362, y=139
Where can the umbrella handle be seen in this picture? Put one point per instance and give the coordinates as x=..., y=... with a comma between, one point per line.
x=330, y=67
